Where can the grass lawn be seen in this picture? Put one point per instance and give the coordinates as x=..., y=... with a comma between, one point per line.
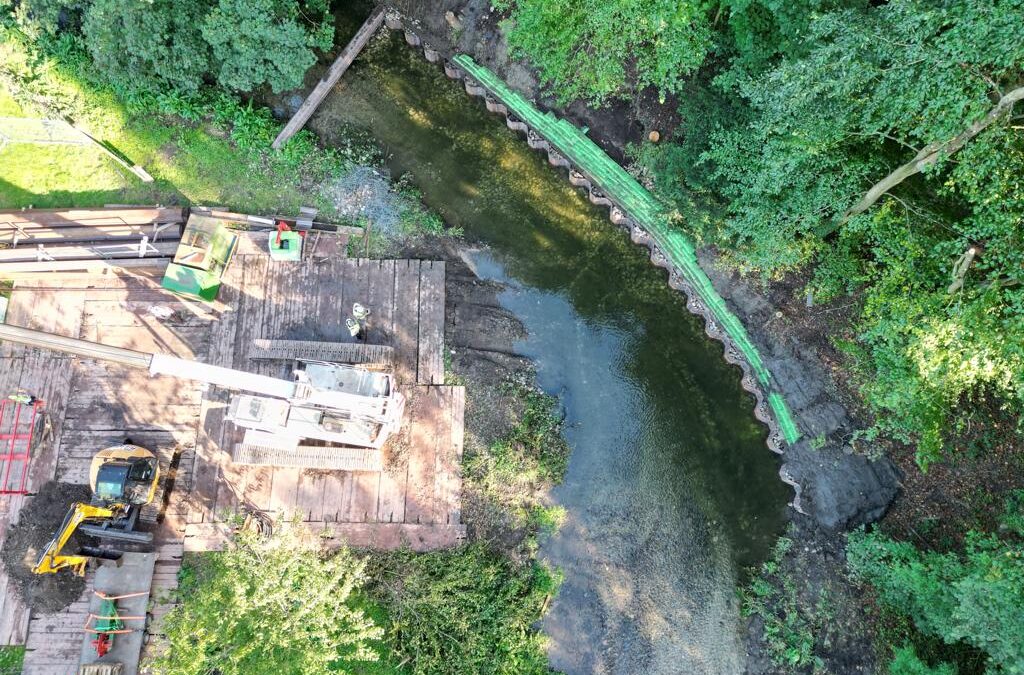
x=190, y=162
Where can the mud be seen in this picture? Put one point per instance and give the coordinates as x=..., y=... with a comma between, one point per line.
x=839, y=486
x=480, y=336
x=38, y=521
x=816, y=568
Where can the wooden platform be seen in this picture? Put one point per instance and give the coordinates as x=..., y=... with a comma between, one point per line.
x=89, y=405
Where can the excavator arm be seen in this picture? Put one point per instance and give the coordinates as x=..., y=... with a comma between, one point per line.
x=51, y=560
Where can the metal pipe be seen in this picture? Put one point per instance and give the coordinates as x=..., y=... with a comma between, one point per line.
x=68, y=345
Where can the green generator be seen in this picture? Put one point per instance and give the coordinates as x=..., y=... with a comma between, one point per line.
x=202, y=257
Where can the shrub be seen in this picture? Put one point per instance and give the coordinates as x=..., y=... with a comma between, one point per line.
x=148, y=45
x=465, y=611
x=975, y=597
x=596, y=49
x=268, y=606
x=906, y=662
x=257, y=42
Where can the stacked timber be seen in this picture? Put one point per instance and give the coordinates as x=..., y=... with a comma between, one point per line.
x=103, y=240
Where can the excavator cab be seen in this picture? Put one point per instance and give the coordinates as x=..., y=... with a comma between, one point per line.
x=123, y=479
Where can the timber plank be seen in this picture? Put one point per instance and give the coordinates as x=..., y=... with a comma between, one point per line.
x=284, y=490
x=337, y=491
x=394, y=477
x=419, y=494
x=452, y=464
x=379, y=536
x=380, y=325
x=309, y=500
x=430, y=368
x=29, y=219
x=406, y=319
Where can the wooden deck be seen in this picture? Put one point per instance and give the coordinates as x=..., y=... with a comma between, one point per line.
x=90, y=405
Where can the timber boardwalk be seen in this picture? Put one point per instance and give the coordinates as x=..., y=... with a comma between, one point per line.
x=414, y=500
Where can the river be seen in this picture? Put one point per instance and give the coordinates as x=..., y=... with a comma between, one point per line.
x=670, y=491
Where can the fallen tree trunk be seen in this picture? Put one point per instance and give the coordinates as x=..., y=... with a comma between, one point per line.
x=928, y=155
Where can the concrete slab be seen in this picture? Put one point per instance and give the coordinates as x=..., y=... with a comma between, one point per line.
x=133, y=575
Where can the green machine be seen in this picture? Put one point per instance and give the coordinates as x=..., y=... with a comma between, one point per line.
x=202, y=257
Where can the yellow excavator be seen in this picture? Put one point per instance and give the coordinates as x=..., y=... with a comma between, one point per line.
x=123, y=479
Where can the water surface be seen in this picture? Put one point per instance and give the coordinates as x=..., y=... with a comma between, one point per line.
x=670, y=490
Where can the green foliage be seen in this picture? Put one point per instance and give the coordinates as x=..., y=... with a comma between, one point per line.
x=814, y=108
x=164, y=47
x=257, y=42
x=760, y=31
x=11, y=660
x=975, y=597
x=597, y=49
x=45, y=17
x=274, y=605
x=154, y=44
x=465, y=611
x=905, y=661
x=1013, y=516
x=789, y=632
x=518, y=467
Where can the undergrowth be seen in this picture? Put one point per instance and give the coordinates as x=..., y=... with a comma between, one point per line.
x=789, y=631
x=11, y=660
x=512, y=476
x=470, y=610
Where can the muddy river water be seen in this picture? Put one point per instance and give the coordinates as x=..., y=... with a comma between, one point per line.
x=670, y=490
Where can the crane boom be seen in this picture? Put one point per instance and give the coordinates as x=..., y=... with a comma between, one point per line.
x=156, y=364
x=327, y=401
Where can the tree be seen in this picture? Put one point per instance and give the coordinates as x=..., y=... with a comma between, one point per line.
x=268, y=606
x=257, y=42
x=38, y=17
x=884, y=150
x=148, y=44
x=975, y=597
x=596, y=49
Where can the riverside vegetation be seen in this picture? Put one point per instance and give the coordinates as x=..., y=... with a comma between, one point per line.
x=174, y=106
x=873, y=152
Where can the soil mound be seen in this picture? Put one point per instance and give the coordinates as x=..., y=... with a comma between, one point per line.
x=38, y=521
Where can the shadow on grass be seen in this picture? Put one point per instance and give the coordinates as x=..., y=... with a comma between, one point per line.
x=16, y=197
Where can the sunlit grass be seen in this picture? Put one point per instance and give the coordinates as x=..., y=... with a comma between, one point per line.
x=191, y=163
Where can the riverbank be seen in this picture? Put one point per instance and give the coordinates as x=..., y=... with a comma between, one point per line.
x=513, y=451
x=841, y=478
x=837, y=487
x=649, y=478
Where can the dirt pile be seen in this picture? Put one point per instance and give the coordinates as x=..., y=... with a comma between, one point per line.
x=38, y=521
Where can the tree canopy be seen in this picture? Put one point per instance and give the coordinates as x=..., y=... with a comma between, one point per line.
x=153, y=44
x=162, y=46
x=265, y=41
x=598, y=50
x=975, y=597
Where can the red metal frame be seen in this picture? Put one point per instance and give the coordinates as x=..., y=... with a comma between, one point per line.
x=15, y=444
